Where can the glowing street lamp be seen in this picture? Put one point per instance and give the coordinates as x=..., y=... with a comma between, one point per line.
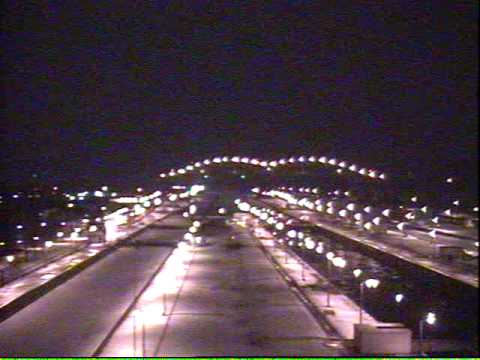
x=330, y=256
x=351, y=207
x=357, y=272
x=292, y=233
x=430, y=319
x=339, y=262
x=368, y=226
x=433, y=236
x=358, y=217
x=371, y=284
x=399, y=298
x=279, y=226
x=319, y=248
x=244, y=206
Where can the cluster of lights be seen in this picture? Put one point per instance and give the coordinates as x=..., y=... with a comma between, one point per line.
x=273, y=218
x=341, y=207
x=340, y=165
x=190, y=236
x=298, y=238
x=279, y=222
x=194, y=190
x=84, y=194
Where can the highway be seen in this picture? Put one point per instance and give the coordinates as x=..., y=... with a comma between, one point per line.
x=73, y=319
x=232, y=302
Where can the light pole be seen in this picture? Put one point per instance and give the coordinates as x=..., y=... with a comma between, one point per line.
x=285, y=252
x=398, y=300
x=303, y=271
x=138, y=314
x=371, y=284
x=164, y=301
x=336, y=261
x=330, y=255
x=430, y=320
x=433, y=236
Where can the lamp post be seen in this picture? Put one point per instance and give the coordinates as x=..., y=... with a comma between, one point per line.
x=398, y=299
x=371, y=284
x=430, y=319
x=330, y=255
x=138, y=314
x=303, y=271
x=401, y=227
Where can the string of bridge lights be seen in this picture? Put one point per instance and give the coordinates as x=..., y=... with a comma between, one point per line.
x=341, y=165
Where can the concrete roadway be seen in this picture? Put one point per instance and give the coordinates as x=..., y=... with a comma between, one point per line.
x=73, y=319
x=232, y=303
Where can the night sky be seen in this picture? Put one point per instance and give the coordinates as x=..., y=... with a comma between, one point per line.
x=114, y=92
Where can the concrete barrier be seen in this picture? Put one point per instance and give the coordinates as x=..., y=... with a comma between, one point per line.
x=388, y=338
x=30, y=296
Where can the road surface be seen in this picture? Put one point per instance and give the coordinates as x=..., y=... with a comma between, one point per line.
x=75, y=317
x=232, y=303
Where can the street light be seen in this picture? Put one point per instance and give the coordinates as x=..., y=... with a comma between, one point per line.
x=339, y=262
x=399, y=298
x=371, y=284
x=319, y=248
x=430, y=319
x=330, y=256
x=138, y=314
x=433, y=236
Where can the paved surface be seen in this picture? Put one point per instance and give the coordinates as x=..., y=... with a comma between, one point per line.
x=228, y=300
x=342, y=313
x=72, y=319
x=46, y=272
x=37, y=258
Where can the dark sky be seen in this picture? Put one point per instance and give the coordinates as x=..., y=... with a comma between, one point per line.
x=118, y=91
